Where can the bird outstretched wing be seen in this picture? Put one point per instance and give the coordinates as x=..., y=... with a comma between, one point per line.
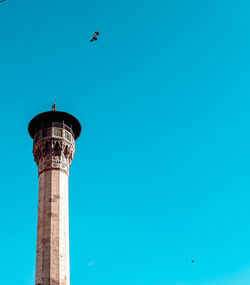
x=94, y=38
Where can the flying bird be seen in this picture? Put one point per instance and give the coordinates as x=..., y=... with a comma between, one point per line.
x=91, y=263
x=2, y=0
x=192, y=261
x=94, y=38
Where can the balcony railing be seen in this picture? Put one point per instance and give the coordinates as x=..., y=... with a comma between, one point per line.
x=54, y=129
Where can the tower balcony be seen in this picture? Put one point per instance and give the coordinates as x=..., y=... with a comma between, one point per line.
x=54, y=130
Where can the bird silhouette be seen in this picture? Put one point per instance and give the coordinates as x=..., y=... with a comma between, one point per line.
x=94, y=38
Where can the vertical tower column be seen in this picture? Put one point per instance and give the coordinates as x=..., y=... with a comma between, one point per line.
x=53, y=149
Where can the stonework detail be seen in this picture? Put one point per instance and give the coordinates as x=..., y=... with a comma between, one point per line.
x=52, y=255
x=53, y=151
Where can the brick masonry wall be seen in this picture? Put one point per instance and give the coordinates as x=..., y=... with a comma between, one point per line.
x=52, y=256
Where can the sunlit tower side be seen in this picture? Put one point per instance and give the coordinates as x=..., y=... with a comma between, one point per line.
x=54, y=134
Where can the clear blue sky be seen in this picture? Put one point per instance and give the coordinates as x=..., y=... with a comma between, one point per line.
x=161, y=173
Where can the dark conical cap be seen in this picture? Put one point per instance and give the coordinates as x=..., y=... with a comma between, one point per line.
x=47, y=118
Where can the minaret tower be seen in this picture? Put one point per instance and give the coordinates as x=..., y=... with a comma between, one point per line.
x=54, y=134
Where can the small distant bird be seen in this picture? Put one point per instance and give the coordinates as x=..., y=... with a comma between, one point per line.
x=192, y=261
x=95, y=36
x=91, y=263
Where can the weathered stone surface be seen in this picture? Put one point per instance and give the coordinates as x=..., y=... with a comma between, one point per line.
x=52, y=152
x=53, y=157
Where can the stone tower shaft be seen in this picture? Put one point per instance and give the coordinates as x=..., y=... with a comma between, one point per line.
x=53, y=149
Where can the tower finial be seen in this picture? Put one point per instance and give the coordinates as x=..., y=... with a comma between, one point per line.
x=54, y=106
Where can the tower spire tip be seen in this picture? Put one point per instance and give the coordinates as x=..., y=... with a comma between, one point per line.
x=54, y=106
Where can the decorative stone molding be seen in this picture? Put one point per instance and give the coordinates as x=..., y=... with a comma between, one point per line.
x=54, y=134
x=54, y=153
